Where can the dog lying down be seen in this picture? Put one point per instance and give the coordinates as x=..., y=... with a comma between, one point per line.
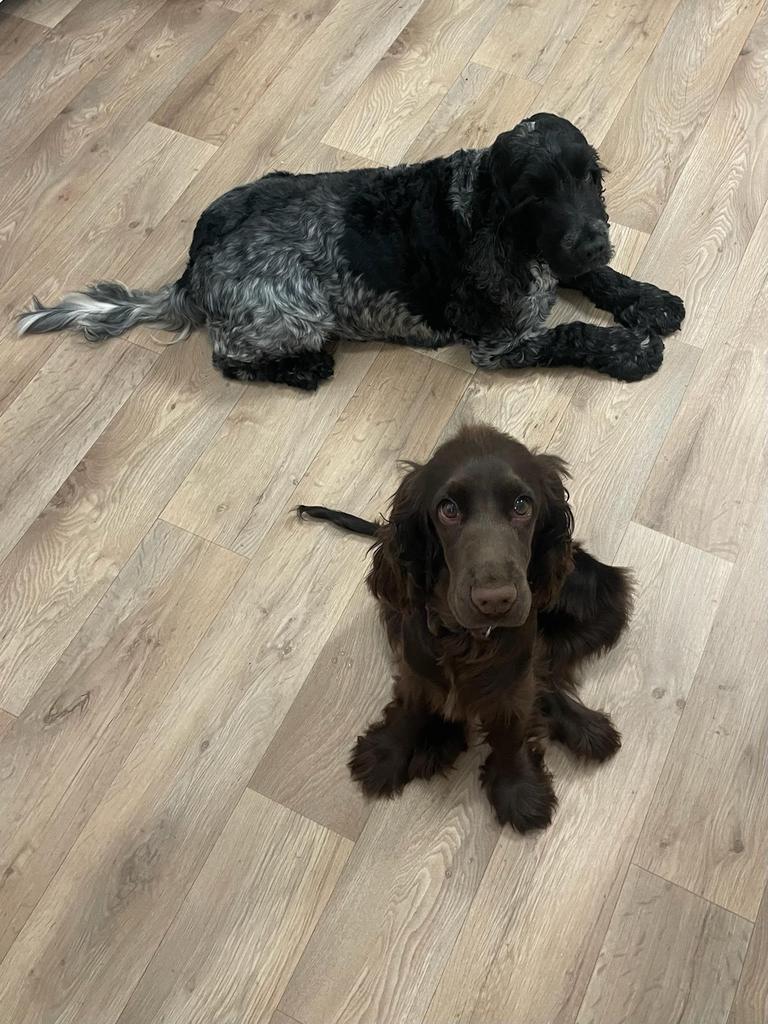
x=464, y=249
x=491, y=610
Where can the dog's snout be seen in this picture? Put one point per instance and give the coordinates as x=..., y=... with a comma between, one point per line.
x=493, y=601
x=594, y=244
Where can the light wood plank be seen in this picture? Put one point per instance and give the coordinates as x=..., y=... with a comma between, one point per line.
x=93, y=240
x=6, y=721
x=232, y=77
x=408, y=84
x=656, y=128
x=69, y=556
x=17, y=36
x=59, y=758
x=715, y=208
x=612, y=432
x=751, y=1002
x=53, y=423
x=44, y=12
x=668, y=956
x=243, y=481
x=387, y=932
x=348, y=686
x=707, y=827
x=107, y=909
x=535, y=929
x=599, y=66
x=67, y=158
x=529, y=38
x=480, y=105
x=719, y=432
x=51, y=73
x=247, y=918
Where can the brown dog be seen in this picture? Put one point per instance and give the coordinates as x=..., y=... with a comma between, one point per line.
x=490, y=609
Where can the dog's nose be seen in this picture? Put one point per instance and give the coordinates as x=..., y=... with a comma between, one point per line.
x=493, y=601
x=595, y=246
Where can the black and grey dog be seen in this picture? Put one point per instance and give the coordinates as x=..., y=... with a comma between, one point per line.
x=467, y=249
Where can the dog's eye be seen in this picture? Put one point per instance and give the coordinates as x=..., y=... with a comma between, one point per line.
x=523, y=506
x=448, y=511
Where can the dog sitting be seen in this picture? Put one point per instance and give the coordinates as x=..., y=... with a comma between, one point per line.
x=491, y=610
x=468, y=248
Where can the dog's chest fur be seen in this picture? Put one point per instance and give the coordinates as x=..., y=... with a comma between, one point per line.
x=536, y=304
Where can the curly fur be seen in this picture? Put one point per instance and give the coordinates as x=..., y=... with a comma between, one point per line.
x=518, y=681
x=467, y=248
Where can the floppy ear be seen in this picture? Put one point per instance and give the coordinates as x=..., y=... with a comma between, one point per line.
x=408, y=556
x=551, y=557
x=508, y=156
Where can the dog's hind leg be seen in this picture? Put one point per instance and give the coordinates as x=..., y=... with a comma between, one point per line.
x=306, y=370
x=618, y=351
x=634, y=304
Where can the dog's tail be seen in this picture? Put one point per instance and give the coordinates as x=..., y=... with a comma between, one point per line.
x=108, y=308
x=343, y=519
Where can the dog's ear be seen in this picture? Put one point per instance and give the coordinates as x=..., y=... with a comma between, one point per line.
x=408, y=556
x=551, y=557
x=508, y=157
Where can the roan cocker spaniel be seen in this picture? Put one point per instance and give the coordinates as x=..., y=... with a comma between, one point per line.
x=467, y=248
x=491, y=610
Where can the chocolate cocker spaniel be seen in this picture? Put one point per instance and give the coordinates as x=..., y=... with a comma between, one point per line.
x=491, y=609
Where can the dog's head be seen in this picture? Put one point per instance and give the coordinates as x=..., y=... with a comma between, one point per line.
x=549, y=185
x=486, y=519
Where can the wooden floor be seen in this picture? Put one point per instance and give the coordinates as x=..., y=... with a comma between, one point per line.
x=183, y=665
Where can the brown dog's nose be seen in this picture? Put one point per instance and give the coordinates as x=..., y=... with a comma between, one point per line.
x=493, y=601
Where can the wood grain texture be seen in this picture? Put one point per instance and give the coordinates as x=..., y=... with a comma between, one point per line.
x=721, y=425
x=656, y=128
x=244, y=479
x=708, y=823
x=6, y=721
x=349, y=684
x=59, y=758
x=531, y=938
x=56, y=170
x=480, y=105
x=668, y=956
x=106, y=911
x=232, y=77
x=17, y=36
x=43, y=12
x=588, y=91
x=93, y=240
x=751, y=1002
x=53, y=71
x=528, y=39
x=408, y=84
x=715, y=208
x=417, y=864
x=268, y=877
x=71, y=553
x=80, y=392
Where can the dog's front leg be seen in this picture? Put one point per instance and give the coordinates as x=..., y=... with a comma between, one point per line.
x=634, y=304
x=618, y=351
x=515, y=777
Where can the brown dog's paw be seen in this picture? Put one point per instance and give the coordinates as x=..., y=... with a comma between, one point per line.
x=437, y=747
x=526, y=801
x=379, y=762
x=590, y=734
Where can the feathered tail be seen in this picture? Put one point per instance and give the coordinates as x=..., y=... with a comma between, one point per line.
x=108, y=308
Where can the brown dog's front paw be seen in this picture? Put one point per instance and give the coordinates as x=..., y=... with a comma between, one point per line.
x=379, y=762
x=590, y=734
x=526, y=801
